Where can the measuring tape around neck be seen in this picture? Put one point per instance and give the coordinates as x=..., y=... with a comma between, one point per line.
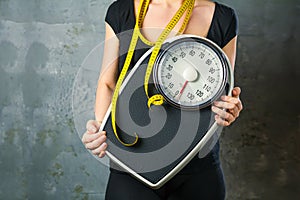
x=181, y=30
x=156, y=99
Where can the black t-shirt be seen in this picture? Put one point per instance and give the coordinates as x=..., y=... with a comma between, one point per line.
x=121, y=17
x=224, y=27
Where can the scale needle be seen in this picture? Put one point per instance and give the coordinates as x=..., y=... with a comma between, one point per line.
x=181, y=91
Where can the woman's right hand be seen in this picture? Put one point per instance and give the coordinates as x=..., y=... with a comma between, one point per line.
x=93, y=139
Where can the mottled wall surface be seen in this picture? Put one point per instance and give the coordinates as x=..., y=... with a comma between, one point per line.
x=42, y=45
x=261, y=151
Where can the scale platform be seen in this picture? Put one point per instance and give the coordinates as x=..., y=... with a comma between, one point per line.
x=168, y=137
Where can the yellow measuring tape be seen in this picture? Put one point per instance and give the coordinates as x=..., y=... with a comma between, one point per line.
x=156, y=99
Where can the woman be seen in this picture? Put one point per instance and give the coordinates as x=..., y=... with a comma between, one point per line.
x=201, y=178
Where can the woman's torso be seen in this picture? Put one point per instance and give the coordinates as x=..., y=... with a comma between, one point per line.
x=220, y=27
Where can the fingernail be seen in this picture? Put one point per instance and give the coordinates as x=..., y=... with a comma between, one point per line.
x=101, y=154
x=103, y=137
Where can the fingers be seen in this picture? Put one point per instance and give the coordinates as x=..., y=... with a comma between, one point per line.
x=236, y=94
x=229, y=99
x=221, y=121
x=236, y=91
x=92, y=126
x=224, y=104
x=100, y=151
x=94, y=140
x=222, y=117
x=233, y=100
x=87, y=137
x=93, y=144
x=228, y=108
x=235, y=111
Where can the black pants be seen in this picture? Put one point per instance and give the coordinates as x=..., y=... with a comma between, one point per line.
x=199, y=180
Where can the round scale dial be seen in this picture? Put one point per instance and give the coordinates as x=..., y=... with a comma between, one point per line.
x=190, y=72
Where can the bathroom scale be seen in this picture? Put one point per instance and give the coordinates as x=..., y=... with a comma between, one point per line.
x=190, y=72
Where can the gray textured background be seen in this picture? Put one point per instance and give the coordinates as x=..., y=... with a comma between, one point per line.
x=42, y=45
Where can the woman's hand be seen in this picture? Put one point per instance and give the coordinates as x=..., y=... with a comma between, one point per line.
x=94, y=140
x=228, y=109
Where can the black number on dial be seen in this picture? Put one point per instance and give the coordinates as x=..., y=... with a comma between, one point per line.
x=192, y=52
x=211, y=79
x=190, y=96
x=208, y=62
x=212, y=70
x=168, y=76
x=202, y=55
x=176, y=93
x=170, y=67
x=206, y=87
x=199, y=93
x=182, y=54
x=171, y=85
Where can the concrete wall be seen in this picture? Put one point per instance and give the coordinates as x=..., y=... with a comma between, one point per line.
x=42, y=45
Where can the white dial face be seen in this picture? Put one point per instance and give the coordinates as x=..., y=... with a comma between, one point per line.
x=190, y=74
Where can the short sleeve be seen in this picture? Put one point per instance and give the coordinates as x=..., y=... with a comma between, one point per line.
x=112, y=17
x=232, y=28
x=224, y=26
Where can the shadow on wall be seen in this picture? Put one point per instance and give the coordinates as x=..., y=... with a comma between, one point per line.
x=8, y=59
x=34, y=85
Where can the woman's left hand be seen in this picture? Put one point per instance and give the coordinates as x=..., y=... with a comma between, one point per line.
x=228, y=108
